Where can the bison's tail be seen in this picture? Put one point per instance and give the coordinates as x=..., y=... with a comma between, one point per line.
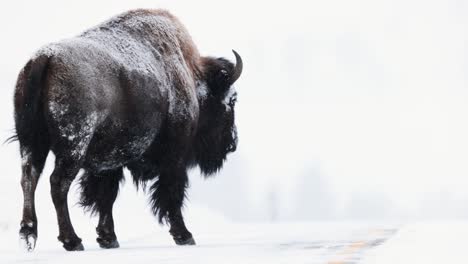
x=30, y=123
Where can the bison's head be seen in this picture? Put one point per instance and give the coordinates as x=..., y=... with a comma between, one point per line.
x=217, y=134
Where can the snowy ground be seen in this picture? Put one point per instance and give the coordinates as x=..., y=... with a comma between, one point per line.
x=219, y=241
x=232, y=243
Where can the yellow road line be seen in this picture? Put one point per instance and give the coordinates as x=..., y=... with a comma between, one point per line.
x=344, y=256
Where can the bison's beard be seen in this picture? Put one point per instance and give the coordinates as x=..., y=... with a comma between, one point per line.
x=213, y=148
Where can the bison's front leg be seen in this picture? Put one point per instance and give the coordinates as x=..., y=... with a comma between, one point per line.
x=168, y=197
x=178, y=230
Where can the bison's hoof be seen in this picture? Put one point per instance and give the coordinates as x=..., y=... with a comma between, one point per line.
x=73, y=246
x=28, y=235
x=107, y=244
x=185, y=242
x=69, y=247
x=28, y=241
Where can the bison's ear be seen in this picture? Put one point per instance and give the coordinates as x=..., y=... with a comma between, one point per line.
x=220, y=73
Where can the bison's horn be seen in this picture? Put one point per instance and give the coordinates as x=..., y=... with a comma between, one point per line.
x=237, y=69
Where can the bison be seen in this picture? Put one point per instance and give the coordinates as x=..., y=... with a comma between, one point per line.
x=132, y=92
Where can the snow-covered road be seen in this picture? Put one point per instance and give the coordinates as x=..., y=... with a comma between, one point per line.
x=224, y=243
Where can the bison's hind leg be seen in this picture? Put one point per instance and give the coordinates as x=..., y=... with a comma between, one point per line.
x=33, y=160
x=65, y=171
x=98, y=194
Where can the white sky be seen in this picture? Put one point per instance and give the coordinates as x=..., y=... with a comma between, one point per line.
x=347, y=109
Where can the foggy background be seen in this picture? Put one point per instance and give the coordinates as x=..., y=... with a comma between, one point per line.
x=348, y=110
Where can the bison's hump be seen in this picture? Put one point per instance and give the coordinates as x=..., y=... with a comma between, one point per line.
x=143, y=41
